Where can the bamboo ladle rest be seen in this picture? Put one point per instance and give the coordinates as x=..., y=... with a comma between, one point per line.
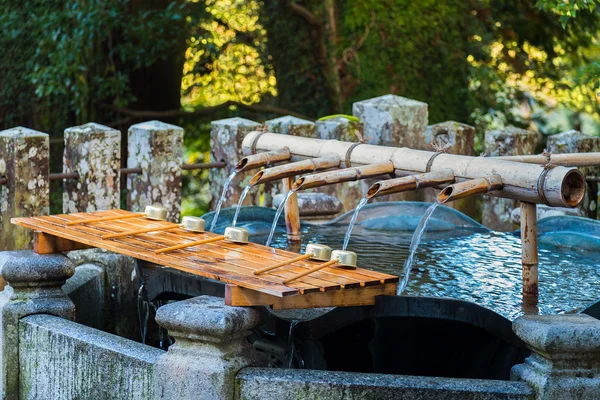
x=317, y=252
x=188, y=223
x=344, y=259
x=232, y=234
x=154, y=212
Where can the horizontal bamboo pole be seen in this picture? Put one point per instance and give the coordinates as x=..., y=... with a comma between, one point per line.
x=138, y=231
x=568, y=160
x=470, y=188
x=411, y=182
x=262, y=159
x=343, y=175
x=88, y=221
x=310, y=271
x=558, y=186
x=295, y=168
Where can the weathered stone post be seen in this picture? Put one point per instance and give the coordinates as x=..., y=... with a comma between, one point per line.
x=34, y=288
x=509, y=141
x=392, y=120
x=210, y=348
x=24, y=164
x=565, y=359
x=94, y=152
x=577, y=142
x=157, y=148
x=226, y=136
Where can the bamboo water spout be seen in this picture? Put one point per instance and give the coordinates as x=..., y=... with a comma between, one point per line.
x=295, y=168
x=261, y=159
x=557, y=187
x=343, y=175
x=568, y=160
x=411, y=182
x=470, y=188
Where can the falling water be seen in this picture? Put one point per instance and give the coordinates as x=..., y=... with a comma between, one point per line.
x=360, y=205
x=291, y=344
x=414, y=243
x=220, y=203
x=239, y=206
x=143, y=312
x=277, y=215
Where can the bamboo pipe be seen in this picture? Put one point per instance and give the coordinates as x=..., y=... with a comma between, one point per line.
x=232, y=234
x=342, y=257
x=262, y=159
x=569, y=160
x=411, y=182
x=292, y=212
x=314, y=251
x=295, y=168
x=470, y=188
x=529, y=251
x=343, y=175
x=557, y=187
x=158, y=213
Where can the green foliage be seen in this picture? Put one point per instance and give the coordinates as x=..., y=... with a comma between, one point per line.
x=567, y=9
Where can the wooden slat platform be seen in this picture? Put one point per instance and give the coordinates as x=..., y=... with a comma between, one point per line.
x=228, y=262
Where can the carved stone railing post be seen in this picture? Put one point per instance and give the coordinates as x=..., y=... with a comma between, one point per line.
x=392, y=120
x=94, y=152
x=577, y=142
x=226, y=137
x=210, y=348
x=157, y=148
x=34, y=288
x=24, y=164
x=509, y=141
x=565, y=359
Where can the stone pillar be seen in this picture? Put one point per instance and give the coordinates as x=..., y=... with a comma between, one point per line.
x=565, y=357
x=460, y=139
x=94, y=152
x=226, y=136
x=340, y=128
x=210, y=348
x=509, y=141
x=34, y=288
x=157, y=148
x=286, y=125
x=392, y=120
x=24, y=164
x=577, y=142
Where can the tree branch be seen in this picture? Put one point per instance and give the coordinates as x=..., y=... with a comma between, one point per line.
x=202, y=112
x=304, y=13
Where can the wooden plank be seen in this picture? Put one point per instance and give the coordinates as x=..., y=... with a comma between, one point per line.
x=44, y=243
x=238, y=296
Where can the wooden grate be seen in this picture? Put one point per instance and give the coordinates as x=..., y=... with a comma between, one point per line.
x=231, y=263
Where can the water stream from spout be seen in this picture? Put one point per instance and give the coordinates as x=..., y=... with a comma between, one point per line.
x=360, y=205
x=239, y=205
x=220, y=203
x=414, y=244
x=291, y=342
x=277, y=215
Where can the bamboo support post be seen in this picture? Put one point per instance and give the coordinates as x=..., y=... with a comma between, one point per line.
x=411, y=182
x=557, y=187
x=529, y=251
x=295, y=168
x=292, y=213
x=470, y=188
x=343, y=175
x=568, y=160
x=262, y=159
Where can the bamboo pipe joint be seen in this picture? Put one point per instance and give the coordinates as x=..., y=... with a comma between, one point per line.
x=262, y=159
x=470, y=188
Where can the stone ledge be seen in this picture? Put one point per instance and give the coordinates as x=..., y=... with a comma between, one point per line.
x=281, y=384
